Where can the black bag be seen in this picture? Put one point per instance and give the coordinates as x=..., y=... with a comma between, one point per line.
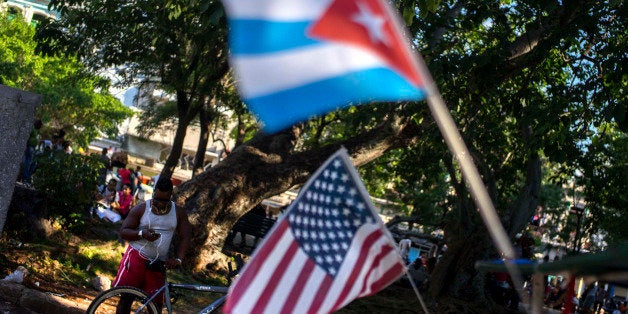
x=156, y=265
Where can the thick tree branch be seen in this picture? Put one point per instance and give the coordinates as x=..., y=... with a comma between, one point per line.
x=529, y=49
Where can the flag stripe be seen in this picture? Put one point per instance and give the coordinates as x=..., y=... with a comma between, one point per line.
x=279, y=10
x=321, y=294
x=274, y=37
x=265, y=275
x=328, y=95
x=387, y=256
x=387, y=278
x=354, y=260
x=286, y=290
x=277, y=276
x=253, y=267
x=297, y=288
x=289, y=65
x=314, y=281
x=363, y=255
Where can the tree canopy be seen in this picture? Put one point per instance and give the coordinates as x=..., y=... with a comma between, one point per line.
x=73, y=99
x=175, y=46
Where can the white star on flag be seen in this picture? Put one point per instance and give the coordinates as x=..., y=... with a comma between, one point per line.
x=374, y=24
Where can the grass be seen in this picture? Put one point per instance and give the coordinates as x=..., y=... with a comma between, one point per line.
x=102, y=258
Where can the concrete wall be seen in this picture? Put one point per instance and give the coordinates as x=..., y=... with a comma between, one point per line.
x=17, y=113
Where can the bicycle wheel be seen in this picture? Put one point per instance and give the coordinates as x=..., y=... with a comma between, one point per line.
x=108, y=301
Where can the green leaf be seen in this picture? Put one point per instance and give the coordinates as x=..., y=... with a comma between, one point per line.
x=408, y=15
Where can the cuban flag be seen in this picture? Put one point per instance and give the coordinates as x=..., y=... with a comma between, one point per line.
x=295, y=59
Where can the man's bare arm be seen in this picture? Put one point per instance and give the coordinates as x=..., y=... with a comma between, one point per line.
x=129, y=230
x=184, y=231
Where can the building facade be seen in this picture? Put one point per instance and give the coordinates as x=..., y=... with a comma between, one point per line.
x=34, y=12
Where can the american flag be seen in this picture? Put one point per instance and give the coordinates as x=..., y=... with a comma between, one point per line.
x=330, y=248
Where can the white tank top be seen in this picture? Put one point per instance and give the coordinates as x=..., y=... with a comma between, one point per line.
x=164, y=224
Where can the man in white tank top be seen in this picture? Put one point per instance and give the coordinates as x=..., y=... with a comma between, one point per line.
x=149, y=228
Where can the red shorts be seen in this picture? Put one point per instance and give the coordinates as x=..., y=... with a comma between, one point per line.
x=132, y=272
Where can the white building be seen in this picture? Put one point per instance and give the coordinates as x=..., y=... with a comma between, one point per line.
x=33, y=11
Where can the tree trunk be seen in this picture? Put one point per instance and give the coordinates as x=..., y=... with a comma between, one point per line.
x=199, y=158
x=215, y=199
x=265, y=166
x=455, y=276
x=185, y=112
x=175, y=151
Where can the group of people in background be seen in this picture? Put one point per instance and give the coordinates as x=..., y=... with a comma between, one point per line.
x=36, y=145
x=120, y=188
x=596, y=299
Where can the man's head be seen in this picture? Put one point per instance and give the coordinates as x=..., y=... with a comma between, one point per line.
x=105, y=151
x=126, y=188
x=162, y=194
x=164, y=185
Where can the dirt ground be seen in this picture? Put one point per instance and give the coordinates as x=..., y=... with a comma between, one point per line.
x=44, y=274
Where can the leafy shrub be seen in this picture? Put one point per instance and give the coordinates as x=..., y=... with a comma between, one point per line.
x=68, y=181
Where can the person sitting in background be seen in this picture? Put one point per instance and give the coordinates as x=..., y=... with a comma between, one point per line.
x=67, y=148
x=139, y=194
x=611, y=306
x=124, y=201
x=109, y=192
x=136, y=181
x=105, y=198
x=588, y=298
x=58, y=139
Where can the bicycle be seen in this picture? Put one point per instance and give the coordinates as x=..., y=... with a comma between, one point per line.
x=141, y=302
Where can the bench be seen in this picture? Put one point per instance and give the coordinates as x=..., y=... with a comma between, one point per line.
x=251, y=224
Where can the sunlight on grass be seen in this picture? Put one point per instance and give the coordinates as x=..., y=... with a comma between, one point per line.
x=101, y=257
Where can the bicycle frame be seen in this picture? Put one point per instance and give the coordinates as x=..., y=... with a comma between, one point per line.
x=209, y=309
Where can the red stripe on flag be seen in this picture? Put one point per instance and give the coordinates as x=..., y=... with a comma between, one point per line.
x=297, y=288
x=321, y=294
x=358, y=266
x=388, y=276
x=253, y=267
x=277, y=275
